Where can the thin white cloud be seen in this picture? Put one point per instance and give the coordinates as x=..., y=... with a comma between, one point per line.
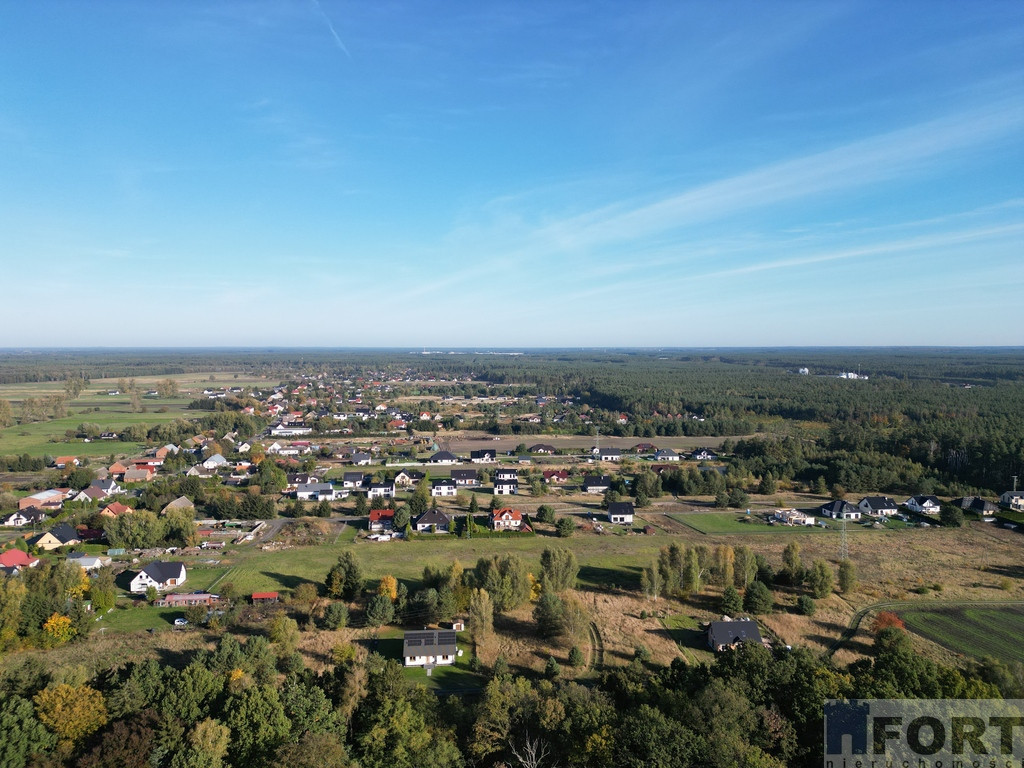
x=856, y=164
x=330, y=26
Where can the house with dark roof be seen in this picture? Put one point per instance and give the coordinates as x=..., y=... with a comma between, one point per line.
x=159, y=574
x=361, y=459
x=486, y=456
x=432, y=521
x=557, y=476
x=878, y=506
x=29, y=516
x=609, y=454
x=730, y=633
x=429, y=648
x=542, y=448
x=596, y=483
x=839, y=510
x=318, y=492
x=975, y=504
x=703, y=454
x=443, y=487
x=1012, y=499
x=352, y=480
x=466, y=478
x=923, y=505
x=621, y=512
x=444, y=457
x=666, y=454
x=506, y=487
x=407, y=477
x=506, y=473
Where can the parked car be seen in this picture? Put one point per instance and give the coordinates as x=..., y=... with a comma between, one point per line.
x=181, y=622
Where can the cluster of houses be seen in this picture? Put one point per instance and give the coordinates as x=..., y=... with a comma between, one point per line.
x=381, y=521
x=881, y=507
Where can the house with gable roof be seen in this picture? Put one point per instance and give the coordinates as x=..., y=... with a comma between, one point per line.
x=160, y=574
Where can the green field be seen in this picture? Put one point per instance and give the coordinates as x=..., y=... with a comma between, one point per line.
x=717, y=523
x=972, y=631
x=110, y=413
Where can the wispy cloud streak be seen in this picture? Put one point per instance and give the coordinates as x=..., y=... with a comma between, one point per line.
x=330, y=26
x=856, y=164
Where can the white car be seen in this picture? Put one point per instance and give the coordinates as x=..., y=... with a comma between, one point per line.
x=181, y=622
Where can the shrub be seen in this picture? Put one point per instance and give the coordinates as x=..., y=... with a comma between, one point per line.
x=552, y=669
x=886, y=619
x=758, y=599
x=642, y=654
x=805, y=605
x=576, y=657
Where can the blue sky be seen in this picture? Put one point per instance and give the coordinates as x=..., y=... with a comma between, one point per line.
x=511, y=174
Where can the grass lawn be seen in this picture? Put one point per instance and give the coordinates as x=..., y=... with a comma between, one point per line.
x=718, y=523
x=972, y=631
x=687, y=634
x=134, y=619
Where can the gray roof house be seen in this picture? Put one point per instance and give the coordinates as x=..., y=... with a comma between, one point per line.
x=429, y=648
x=431, y=521
x=729, y=634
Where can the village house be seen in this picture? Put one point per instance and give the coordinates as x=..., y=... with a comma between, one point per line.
x=466, y=478
x=182, y=502
x=116, y=509
x=975, y=504
x=596, y=483
x=408, y=477
x=729, y=633
x=159, y=574
x=444, y=457
x=703, y=454
x=506, y=519
x=318, y=492
x=381, y=490
x=429, y=648
x=878, y=506
x=621, y=512
x=486, y=456
x=666, y=454
x=440, y=488
x=839, y=510
x=16, y=559
x=609, y=454
x=62, y=535
x=381, y=519
x=432, y=521
x=923, y=505
x=557, y=476
x=1013, y=499
x=352, y=480
x=30, y=516
x=506, y=487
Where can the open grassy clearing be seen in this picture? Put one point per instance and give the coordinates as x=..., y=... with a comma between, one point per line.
x=718, y=523
x=971, y=631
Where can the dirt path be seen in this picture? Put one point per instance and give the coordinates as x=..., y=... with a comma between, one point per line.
x=597, y=648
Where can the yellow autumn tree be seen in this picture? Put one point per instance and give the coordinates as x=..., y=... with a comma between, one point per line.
x=389, y=587
x=57, y=630
x=71, y=712
x=79, y=585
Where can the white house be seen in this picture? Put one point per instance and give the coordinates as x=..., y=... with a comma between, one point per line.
x=506, y=487
x=318, y=492
x=878, y=506
x=839, y=510
x=1013, y=500
x=215, y=462
x=382, y=490
x=666, y=454
x=924, y=505
x=158, y=574
x=620, y=512
x=443, y=488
